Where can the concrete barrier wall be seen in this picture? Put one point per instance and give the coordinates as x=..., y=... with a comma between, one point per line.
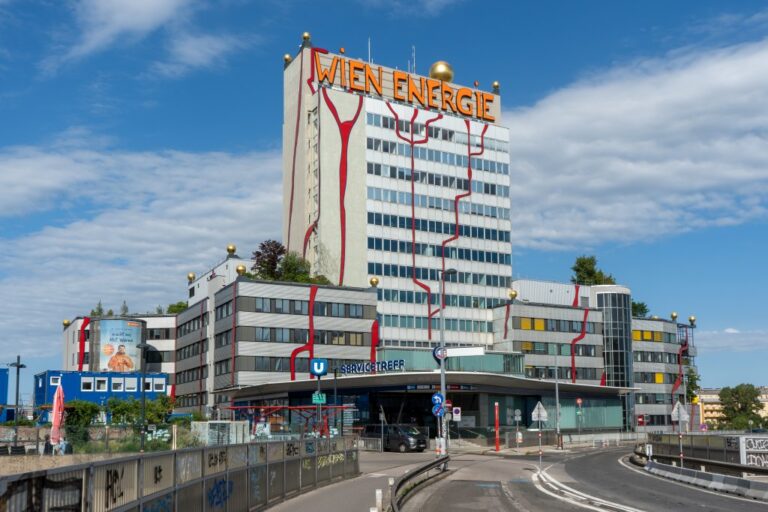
x=723, y=483
x=234, y=478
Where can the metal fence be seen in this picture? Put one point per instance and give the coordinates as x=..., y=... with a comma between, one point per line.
x=230, y=478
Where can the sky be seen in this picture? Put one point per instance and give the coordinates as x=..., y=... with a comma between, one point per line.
x=139, y=137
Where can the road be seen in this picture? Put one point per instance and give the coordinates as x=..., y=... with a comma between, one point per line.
x=494, y=484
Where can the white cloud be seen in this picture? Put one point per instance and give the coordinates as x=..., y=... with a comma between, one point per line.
x=143, y=220
x=650, y=149
x=403, y=8
x=187, y=52
x=731, y=340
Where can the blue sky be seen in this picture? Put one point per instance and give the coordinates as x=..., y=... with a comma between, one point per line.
x=139, y=137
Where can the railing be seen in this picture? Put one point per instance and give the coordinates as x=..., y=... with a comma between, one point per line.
x=234, y=477
x=399, y=491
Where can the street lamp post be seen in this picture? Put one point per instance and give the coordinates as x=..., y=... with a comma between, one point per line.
x=443, y=273
x=557, y=397
x=18, y=365
x=143, y=355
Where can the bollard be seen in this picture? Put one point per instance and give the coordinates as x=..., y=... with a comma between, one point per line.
x=379, y=500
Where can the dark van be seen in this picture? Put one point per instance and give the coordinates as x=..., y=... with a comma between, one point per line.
x=402, y=438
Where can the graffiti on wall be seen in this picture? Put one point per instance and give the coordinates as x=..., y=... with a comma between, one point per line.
x=756, y=451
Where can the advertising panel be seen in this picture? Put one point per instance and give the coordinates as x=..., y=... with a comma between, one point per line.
x=117, y=343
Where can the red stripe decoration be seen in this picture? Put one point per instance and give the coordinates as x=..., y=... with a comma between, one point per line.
x=412, y=143
x=345, y=129
x=575, y=341
x=374, y=342
x=295, y=147
x=679, y=379
x=575, y=296
x=603, y=379
x=81, y=346
x=506, y=321
x=234, y=329
x=309, y=346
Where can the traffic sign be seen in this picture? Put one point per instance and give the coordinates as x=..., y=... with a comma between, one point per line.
x=518, y=412
x=518, y=418
x=439, y=353
x=448, y=404
x=457, y=414
x=318, y=367
x=679, y=414
x=579, y=401
x=539, y=413
x=438, y=410
x=318, y=398
x=438, y=399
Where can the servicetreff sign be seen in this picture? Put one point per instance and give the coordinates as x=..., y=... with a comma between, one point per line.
x=118, y=345
x=378, y=366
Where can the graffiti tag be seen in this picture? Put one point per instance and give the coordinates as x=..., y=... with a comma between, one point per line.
x=220, y=493
x=113, y=488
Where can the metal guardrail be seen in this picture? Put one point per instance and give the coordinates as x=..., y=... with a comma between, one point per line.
x=723, y=483
x=399, y=485
x=233, y=477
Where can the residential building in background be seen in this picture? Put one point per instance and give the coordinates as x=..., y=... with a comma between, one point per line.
x=711, y=409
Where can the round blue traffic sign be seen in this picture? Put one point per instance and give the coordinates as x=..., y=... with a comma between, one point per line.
x=438, y=399
x=438, y=410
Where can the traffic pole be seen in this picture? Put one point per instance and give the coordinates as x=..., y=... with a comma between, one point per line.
x=496, y=415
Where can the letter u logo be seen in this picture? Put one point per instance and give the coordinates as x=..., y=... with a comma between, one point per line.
x=318, y=366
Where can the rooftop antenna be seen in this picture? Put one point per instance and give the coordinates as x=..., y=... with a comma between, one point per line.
x=413, y=58
x=369, y=51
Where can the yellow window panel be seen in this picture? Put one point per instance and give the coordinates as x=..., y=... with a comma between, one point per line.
x=659, y=378
x=636, y=335
x=538, y=324
x=647, y=335
x=658, y=336
x=527, y=346
x=525, y=324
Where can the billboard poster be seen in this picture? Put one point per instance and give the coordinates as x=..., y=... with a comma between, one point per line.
x=118, y=344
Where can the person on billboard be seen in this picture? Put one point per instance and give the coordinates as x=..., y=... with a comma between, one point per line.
x=120, y=362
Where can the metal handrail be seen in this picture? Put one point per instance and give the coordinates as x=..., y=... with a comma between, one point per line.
x=400, y=482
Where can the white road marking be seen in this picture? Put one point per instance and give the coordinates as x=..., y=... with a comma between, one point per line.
x=580, y=495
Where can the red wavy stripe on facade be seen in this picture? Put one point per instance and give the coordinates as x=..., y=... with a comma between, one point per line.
x=309, y=346
x=345, y=129
x=374, y=342
x=202, y=352
x=506, y=321
x=295, y=147
x=575, y=340
x=679, y=379
x=81, y=345
x=603, y=379
x=412, y=142
x=312, y=56
x=234, y=329
x=575, y=296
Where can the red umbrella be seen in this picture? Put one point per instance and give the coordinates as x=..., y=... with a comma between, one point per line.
x=57, y=414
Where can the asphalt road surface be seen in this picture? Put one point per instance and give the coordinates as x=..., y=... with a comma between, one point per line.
x=595, y=479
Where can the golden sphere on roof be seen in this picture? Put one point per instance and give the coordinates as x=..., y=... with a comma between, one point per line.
x=231, y=249
x=240, y=270
x=374, y=281
x=441, y=70
x=674, y=316
x=66, y=323
x=692, y=320
x=287, y=58
x=305, y=36
x=513, y=294
x=191, y=277
x=495, y=84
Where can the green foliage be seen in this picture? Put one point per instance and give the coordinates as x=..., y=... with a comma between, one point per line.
x=274, y=263
x=79, y=414
x=124, y=309
x=266, y=260
x=692, y=386
x=159, y=310
x=640, y=309
x=110, y=312
x=128, y=412
x=740, y=404
x=175, y=309
x=585, y=272
x=295, y=269
x=98, y=310
x=23, y=422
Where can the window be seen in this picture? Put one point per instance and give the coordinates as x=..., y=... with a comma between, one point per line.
x=148, y=385
x=101, y=384
x=117, y=385
x=86, y=384
x=658, y=336
x=130, y=384
x=538, y=324
x=647, y=335
x=159, y=385
x=55, y=380
x=636, y=335
x=525, y=324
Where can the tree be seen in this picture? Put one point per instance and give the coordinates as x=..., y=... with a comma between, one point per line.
x=159, y=310
x=295, y=269
x=692, y=386
x=175, y=309
x=123, y=412
x=124, y=309
x=110, y=312
x=78, y=417
x=639, y=309
x=267, y=258
x=585, y=272
x=740, y=404
x=98, y=310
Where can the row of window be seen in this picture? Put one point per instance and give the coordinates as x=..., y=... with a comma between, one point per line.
x=437, y=203
x=431, y=274
x=422, y=322
x=541, y=348
x=283, y=364
x=192, y=350
x=435, y=155
x=192, y=375
x=222, y=367
x=437, y=180
x=436, y=226
x=655, y=378
x=655, y=357
x=284, y=335
x=462, y=301
x=563, y=372
x=549, y=324
x=224, y=310
x=433, y=250
x=435, y=132
x=192, y=325
x=120, y=384
x=159, y=334
x=656, y=398
x=301, y=307
x=664, y=337
x=193, y=400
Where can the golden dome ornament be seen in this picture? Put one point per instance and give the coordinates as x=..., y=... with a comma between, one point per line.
x=692, y=320
x=374, y=281
x=231, y=249
x=240, y=270
x=441, y=70
x=673, y=316
x=191, y=277
x=66, y=323
x=306, y=36
x=287, y=58
x=512, y=295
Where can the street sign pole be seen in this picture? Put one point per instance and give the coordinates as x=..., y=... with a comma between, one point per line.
x=539, y=445
x=319, y=408
x=496, y=423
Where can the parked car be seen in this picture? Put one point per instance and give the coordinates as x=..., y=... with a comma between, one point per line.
x=402, y=438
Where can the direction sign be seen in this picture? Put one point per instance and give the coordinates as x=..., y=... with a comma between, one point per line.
x=318, y=398
x=318, y=367
x=679, y=414
x=539, y=413
x=438, y=410
x=457, y=414
x=438, y=399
